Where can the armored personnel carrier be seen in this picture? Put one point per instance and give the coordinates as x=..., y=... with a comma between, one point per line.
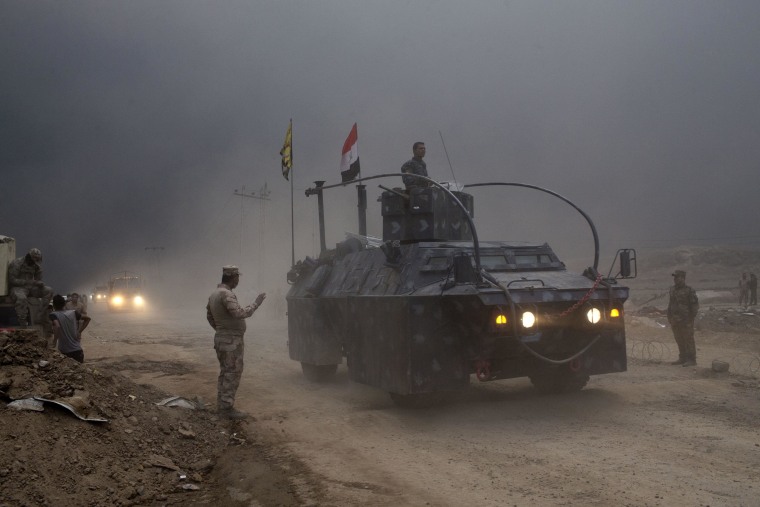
x=430, y=306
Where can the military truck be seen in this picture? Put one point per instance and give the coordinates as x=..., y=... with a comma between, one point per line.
x=428, y=307
x=100, y=294
x=125, y=292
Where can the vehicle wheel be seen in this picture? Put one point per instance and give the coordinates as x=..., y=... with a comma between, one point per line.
x=559, y=382
x=419, y=400
x=319, y=372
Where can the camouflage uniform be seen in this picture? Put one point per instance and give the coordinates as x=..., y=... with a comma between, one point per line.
x=682, y=310
x=228, y=320
x=414, y=166
x=24, y=280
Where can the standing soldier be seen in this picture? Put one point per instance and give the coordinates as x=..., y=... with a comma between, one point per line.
x=25, y=280
x=75, y=303
x=743, y=290
x=228, y=320
x=752, y=289
x=682, y=310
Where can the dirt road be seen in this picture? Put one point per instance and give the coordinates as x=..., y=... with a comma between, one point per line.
x=656, y=435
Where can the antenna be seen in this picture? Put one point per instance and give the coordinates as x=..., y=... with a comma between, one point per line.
x=447, y=158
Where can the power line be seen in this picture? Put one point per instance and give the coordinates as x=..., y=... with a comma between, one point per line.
x=715, y=238
x=262, y=196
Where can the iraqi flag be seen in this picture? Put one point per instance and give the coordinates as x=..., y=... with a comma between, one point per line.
x=349, y=161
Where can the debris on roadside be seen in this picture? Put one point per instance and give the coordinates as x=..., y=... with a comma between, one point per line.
x=130, y=456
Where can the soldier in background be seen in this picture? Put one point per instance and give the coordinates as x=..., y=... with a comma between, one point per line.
x=76, y=303
x=682, y=310
x=752, y=289
x=24, y=281
x=743, y=290
x=225, y=315
x=415, y=166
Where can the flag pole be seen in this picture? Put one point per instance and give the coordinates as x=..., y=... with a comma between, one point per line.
x=292, y=219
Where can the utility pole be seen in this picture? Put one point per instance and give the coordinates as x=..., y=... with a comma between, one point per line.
x=156, y=252
x=262, y=196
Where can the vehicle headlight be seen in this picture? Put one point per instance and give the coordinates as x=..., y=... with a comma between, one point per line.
x=117, y=300
x=528, y=319
x=594, y=315
x=138, y=301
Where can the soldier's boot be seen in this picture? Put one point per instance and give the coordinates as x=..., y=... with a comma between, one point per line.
x=231, y=413
x=680, y=360
x=689, y=362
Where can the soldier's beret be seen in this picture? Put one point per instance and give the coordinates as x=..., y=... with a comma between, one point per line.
x=679, y=272
x=230, y=270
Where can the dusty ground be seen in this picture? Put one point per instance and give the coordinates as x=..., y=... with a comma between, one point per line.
x=655, y=435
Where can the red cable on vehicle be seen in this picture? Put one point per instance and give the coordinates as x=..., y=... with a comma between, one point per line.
x=584, y=298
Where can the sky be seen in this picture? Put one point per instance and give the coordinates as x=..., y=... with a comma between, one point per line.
x=126, y=128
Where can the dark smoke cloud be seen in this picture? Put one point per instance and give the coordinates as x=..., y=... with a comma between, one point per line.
x=128, y=125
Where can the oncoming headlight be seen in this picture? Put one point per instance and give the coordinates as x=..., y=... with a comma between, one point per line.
x=117, y=300
x=138, y=301
x=528, y=319
x=594, y=315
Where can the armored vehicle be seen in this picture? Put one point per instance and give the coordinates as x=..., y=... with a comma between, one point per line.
x=428, y=307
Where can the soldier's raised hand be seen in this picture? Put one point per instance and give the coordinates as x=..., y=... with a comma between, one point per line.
x=260, y=298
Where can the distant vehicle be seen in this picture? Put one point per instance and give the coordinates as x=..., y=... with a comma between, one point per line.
x=125, y=292
x=100, y=294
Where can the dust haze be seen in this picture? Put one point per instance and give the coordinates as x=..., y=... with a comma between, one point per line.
x=127, y=128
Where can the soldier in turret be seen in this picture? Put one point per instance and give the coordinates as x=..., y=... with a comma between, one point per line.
x=682, y=310
x=24, y=281
x=415, y=165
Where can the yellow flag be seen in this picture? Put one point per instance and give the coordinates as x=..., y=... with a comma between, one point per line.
x=287, y=151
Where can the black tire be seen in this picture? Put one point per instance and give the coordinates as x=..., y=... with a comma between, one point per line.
x=559, y=382
x=420, y=400
x=319, y=372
